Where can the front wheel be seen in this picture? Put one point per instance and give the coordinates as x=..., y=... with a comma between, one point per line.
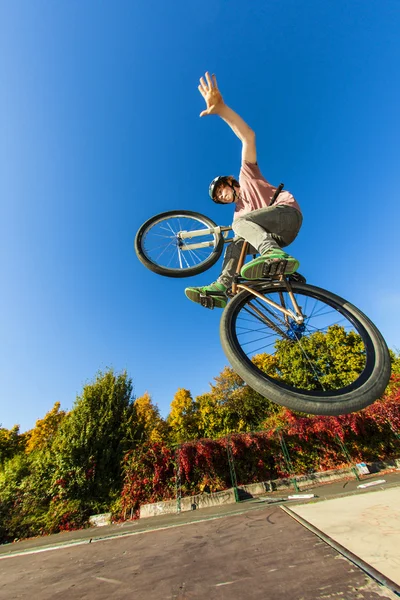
x=336, y=362
x=179, y=243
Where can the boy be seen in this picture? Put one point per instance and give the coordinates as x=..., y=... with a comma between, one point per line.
x=266, y=227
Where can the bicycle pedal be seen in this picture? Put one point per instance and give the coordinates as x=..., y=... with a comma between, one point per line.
x=274, y=269
x=207, y=301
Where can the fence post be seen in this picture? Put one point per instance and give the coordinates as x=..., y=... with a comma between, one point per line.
x=178, y=480
x=286, y=456
x=347, y=455
x=232, y=468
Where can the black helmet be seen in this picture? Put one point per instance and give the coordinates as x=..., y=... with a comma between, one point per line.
x=221, y=179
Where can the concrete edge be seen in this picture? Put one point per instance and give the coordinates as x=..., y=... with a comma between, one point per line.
x=356, y=560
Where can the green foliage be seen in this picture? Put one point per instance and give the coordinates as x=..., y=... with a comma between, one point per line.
x=92, y=439
x=12, y=478
x=395, y=360
x=26, y=493
x=11, y=442
x=231, y=406
x=337, y=356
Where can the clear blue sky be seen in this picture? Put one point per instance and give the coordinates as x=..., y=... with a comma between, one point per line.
x=99, y=130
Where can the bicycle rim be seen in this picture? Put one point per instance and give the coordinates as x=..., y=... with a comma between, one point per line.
x=336, y=361
x=162, y=245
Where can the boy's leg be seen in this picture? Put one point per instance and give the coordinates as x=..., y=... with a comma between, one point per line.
x=231, y=259
x=218, y=289
x=268, y=230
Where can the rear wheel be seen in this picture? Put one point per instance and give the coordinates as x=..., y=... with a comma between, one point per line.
x=336, y=362
x=160, y=247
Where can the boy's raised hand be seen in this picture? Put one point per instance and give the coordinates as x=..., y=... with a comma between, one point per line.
x=208, y=88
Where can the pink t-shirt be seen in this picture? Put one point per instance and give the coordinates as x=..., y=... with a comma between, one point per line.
x=256, y=192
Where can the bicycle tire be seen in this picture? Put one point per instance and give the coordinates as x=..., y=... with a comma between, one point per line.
x=187, y=271
x=368, y=387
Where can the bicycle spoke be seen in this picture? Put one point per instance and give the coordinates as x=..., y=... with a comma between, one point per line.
x=326, y=327
x=163, y=246
x=248, y=330
x=165, y=249
x=257, y=351
x=184, y=258
x=301, y=357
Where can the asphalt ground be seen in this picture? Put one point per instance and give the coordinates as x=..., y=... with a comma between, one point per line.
x=253, y=549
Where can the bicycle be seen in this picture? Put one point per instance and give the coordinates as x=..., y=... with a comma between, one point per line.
x=277, y=332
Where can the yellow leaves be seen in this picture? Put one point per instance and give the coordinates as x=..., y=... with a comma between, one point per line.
x=159, y=433
x=181, y=418
x=148, y=419
x=226, y=382
x=10, y=442
x=266, y=363
x=45, y=429
x=209, y=416
x=146, y=411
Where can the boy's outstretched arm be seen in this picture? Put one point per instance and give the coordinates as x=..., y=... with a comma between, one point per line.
x=208, y=88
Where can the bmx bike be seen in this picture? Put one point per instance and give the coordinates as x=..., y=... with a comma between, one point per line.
x=296, y=344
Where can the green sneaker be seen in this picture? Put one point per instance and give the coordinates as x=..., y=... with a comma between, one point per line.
x=272, y=263
x=209, y=296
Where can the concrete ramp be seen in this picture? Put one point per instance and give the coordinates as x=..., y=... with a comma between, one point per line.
x=366, y=524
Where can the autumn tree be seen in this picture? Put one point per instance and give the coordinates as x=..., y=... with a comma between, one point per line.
x=182, y=417
x=45, y=429
x=150, y=426
x=11, y=442
x=210, y=418
x=231, y=406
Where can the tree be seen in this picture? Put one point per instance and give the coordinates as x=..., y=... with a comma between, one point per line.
x=45, y=429
x=92, y=439
x=151, y=427
x=12, y=476
x=337, y=357
x=11, y=442
x=182, y=418
x=231, y=405
x=210, y=416
x=395, y=360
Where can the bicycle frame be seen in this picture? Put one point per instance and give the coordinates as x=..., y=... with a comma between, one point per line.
x=297, y=315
